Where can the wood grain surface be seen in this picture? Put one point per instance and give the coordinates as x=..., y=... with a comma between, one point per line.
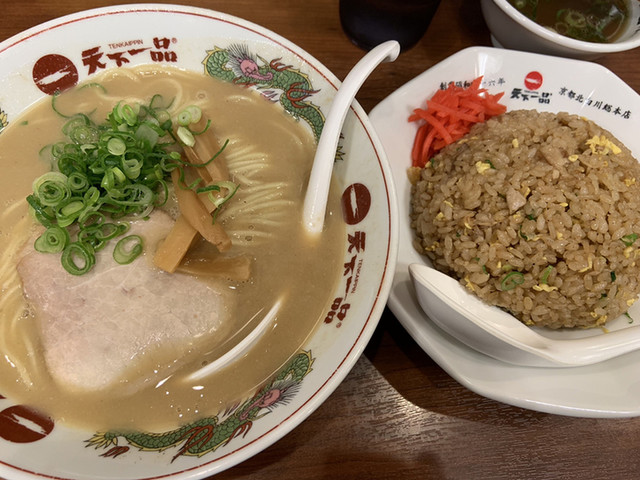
x=398, y=415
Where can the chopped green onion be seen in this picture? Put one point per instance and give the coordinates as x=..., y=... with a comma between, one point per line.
x=51, y=188
x=231, y=188
x=97, y=235
x=147, y=135
x=184, y=118
x=80, y=129
x=78, y=182
x=69, y=212
x=77, y=258
x=575, y=18
x=54, y=105
x=119, y=175
x=613, y=277
x=132, y=195
x=201, y=165
x=116, y=146
x=127, y=249
x=90, y=218
x=128, y=114
x=206, y=127
x=107, y=231
x=113, y=169
x=544, y=277
x=91, y=196
x=521, y=233
x=195, y=113
x=185, y=136
x=117, y=168
x=190, y=115
x=53, y=240
x=511, y=280
x=132, y=167
x=191, y=186
x=629, y=239
x=94, y=85
x=72, y=208
x=156, y=103
x=162, y=199
x=163, y=118
x=42, y=214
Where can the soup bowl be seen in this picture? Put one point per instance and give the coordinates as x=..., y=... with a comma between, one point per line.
x=35, y=444
x=514, y=30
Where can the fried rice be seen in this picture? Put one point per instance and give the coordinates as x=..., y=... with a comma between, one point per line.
x=536, y=213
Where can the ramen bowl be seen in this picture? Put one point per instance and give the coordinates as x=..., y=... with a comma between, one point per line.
x=37, y=444
x=514, y=30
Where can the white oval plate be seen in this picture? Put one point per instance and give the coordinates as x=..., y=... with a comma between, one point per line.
x=33, y=446
x=606, y=389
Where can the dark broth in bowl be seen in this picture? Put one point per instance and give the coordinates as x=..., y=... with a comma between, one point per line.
x=600, y=21
x=269, y=155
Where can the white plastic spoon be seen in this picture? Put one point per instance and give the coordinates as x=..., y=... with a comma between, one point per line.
x=240, y=349
x=494, y=332
x=315, y=202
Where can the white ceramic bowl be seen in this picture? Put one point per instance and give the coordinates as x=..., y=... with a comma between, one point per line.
x=511, y=29
x=530, y=81
x=34, y=446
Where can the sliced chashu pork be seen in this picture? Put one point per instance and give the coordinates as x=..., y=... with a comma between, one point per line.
x=94, y=327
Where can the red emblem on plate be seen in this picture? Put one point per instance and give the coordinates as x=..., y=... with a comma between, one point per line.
x=533, y=80
x=54, y=73
x=356, y=201
x=21, y=424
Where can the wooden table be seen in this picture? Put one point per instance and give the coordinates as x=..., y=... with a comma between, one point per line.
x=397, y=414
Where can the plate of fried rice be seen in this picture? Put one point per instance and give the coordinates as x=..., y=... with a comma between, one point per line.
x=535, y=213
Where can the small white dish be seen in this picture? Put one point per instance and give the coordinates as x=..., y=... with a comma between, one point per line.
x=605, y=389
x=512, y=29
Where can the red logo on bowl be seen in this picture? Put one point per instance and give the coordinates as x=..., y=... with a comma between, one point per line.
x=533, y=80
x=54, y=73
x=21, y=424
x=356, y=201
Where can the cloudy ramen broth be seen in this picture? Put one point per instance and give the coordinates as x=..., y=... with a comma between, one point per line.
x=600, y=21
x=269, y=154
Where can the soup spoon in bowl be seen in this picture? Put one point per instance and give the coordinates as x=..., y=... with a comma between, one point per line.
x=240, y=349
x=318, y=189
x=315, y=202
x=498, y=334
